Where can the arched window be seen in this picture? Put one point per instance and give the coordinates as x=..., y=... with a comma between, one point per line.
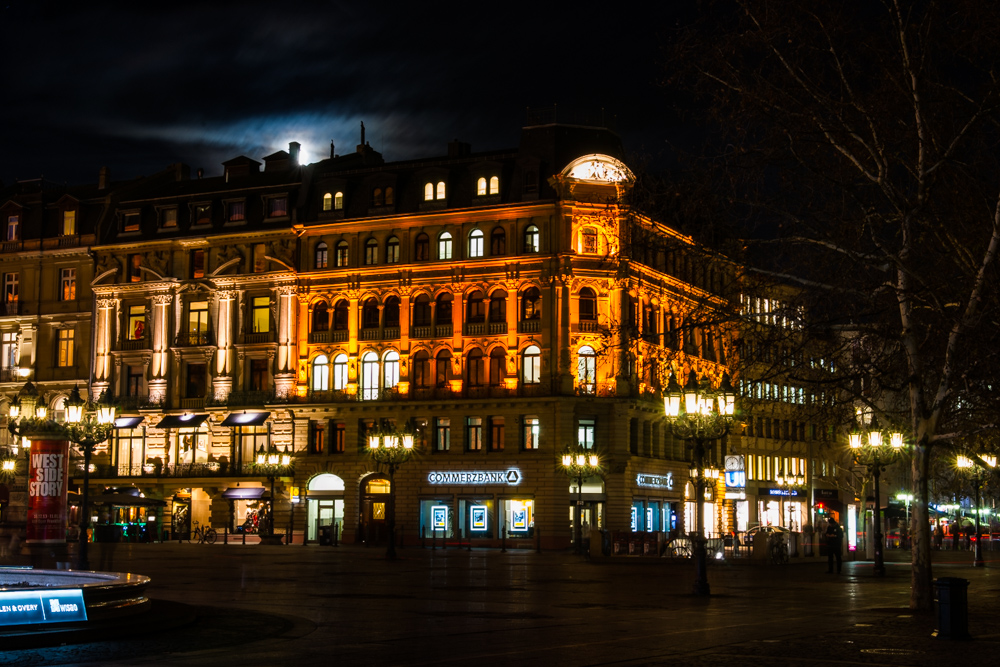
x=440, y=190
x=498, y=306
x=481, y=186
x=421, y=370
x=369, y=313
x=340, y=372
x=321, y=317
x=498, y=367
x=342, y=253
x=442, y=311
x=588, y=305
x=327, y=202
x=531, y=239
x=475, y=368
x=588, y=240
x=321, y=255
x=389, y=196
x=341, y=315
x=422, y=248
x=338, y=201
x=392, y=250
x=442, y=368
x=390, y=369
x=494, y=185
x=531, y=304
x=390, y=312
x=475, y=308
x=498, y=242
x=428, y=191
x=531, y=366
x=444, y=245
x=476, y=243
x=371, y=252
x=321, y=373
x=378, y=199
x=586, y=369
x=369, y=376
x=422, y=311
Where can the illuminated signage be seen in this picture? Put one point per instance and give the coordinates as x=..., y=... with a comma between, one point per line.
x=734, y=463
x=45, y=606
x=510, y=477
x=649, y=518
x=783, y=492
x=736, y=479
x=478, y=517
x=635, y=520
x=736, y=495
x=439, y=517
x=655, y=481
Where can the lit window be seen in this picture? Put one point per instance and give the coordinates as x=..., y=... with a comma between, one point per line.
x=474, y=434
x=388, y=196
x=428, y=191
x=338, y=201
x=168, y=217
x=67, y=284
x=369, y=376
x=13, y=227
x=444, y=246
x=531, y=433
x=198, y=322
x=65, y=347
x=392, y=250
x=321, y=255
x=321, y=373
x=532, y=368
x=261, y=314
x=197, y=263
x=531, y=239
x=69, y=223
x=371, y=252
x=531, y=304
x=476, y=243
x=440, y=190
x=237, y=211
x=130, y=222
x=134, y=268
x=586, y=369
x=494, y=185
x=277, y=207
x=390, y=369
x=588, y=240
x=340, y=372
x=442, y=434
x=11, y=283
x=327, y=202
x=585, y=433
x=342, y=253
x=378, y=199
x=136, y=322
x=481, y=186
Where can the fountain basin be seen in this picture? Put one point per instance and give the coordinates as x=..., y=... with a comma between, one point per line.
x=106, y=595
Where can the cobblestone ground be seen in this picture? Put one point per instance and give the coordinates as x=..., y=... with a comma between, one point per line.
x=252, y=605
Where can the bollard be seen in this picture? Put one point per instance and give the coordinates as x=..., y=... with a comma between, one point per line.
x=503, y=539
x=225, y=539
x=434, y=540
x=423, y=537
x=951, y=596
x=538, y=540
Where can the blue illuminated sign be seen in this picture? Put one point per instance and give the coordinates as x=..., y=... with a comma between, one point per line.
x=439, y=517
x=783, y=492
x=635, y=519
x=510, y=477
x=736, y=479
x=45, y=606
x=478, y=518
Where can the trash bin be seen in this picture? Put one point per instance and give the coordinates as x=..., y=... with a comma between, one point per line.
x=952, y=598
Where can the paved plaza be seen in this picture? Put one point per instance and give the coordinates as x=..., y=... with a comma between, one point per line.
x=258, y=605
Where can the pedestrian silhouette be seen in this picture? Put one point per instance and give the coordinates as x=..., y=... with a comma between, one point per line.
x=834, y=544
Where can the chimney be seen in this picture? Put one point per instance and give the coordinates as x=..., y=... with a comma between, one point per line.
x=182, y=172
x=104, y=179
x=201, y=172
x=293, y=152
x=333, y=153
x=459, y=148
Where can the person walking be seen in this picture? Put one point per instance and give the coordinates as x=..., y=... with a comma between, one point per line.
x=834, y=541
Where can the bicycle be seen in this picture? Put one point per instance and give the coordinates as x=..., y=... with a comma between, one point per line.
x=677, y=548
x=777, y=552
x=203, y=535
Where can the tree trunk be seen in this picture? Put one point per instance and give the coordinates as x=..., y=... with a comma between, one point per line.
x=921, y=578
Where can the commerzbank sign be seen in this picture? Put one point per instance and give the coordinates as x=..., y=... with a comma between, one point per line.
x=509, y=477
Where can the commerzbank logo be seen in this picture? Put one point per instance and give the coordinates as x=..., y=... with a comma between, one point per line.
x=509, y=477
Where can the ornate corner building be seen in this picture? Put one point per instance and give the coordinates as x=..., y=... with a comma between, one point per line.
x=503, y=304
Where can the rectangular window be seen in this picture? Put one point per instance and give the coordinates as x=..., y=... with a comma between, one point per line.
x=585, y=433
x=136, y=322
x=64, y=345
x=8, y=352
x=198, y=323
x=277, y=207
x=258, y=375
x=67, y=284
x=317, y=437
x=341, y=255
x=261, y=314
x=197, y=263
x=69, y=223
x=202, y=214
x=496, y=434
x=13, y=227
x=130, y=222
x=339, y=436
x=168, y=217
x=474, y=434
x=259, y=260
x=442, y=434
x=237, y=211
x=134, y=272
x=589, y=238
x=11, y=284
x=133, y=381
x=196, y=381
x=531, y=429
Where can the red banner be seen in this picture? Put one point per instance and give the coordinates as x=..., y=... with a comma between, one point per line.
x=48, y=477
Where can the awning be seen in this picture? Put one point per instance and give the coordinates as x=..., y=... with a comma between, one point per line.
x=246, y=418
x=128, y=422
x=244, y=493
x=126, y=500
x=182, y=421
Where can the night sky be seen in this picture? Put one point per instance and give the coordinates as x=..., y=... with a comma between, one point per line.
x=136, y=89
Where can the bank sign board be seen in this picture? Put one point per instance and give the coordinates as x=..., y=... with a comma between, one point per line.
x=509, y=477
x=42, y=606
x=655, y=481
x=792, y=493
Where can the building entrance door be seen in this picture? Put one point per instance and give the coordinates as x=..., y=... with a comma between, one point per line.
x=374, y=506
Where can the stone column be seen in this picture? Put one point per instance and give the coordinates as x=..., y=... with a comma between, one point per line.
x=159, y=369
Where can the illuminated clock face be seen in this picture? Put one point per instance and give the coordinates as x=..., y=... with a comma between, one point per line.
x=733, y=463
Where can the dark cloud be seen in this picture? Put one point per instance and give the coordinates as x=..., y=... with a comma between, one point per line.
x=134, y=88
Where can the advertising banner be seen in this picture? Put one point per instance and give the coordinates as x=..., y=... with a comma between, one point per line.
x=48, y=477
x=47, y=606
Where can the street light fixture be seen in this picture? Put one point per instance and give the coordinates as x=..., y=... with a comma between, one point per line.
x=976, y=471
x=579, y=463
x=875, y=448
x=271, y=463
x=700, y=414
x=390, y=449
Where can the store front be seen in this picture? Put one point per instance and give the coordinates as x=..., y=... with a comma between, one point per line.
x=325, y=508
x=128, y=446
x=655, y=503
x=711, y=517
x=247, y=507
x=592, y=501
x=189, y=447
x=783, y=506
x=126, y=517
x=498, y=508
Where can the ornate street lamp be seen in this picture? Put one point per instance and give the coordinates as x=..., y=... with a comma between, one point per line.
x=579, y=463
x=700, y=414
x=390, y=449
x=977, y=472
x=875, y=448
x=271, y=463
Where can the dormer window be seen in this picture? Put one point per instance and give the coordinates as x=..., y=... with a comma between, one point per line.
x=277, y=207
x=481, y=187
x=130, y=222
x=388, y=196
x=378, y=198
x=68, y=223
x=327, y=202
x=13, y=227
x=168, y=218
x=338, y=201
x=202, y=214
x=494, y=185
x=432, y=192
x=440, y=190
x=428, y=192
x=491, y=187
x=236, y=211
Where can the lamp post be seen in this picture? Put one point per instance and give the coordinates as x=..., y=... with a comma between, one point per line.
x=871, y=449
x=390, y=449
x=966, y=464
x=88, y=425
x=271, y=462
x=700, y=414
x=906, y=498
x=579, y=463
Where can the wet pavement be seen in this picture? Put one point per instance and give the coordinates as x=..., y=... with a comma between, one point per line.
x=253, y=605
